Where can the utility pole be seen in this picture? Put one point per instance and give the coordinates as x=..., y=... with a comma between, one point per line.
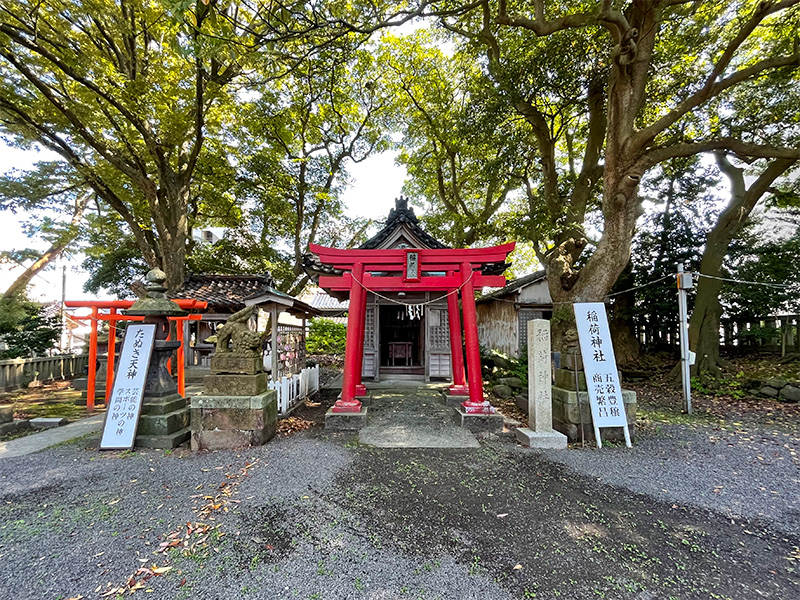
x=687, y=357
x=63, y=307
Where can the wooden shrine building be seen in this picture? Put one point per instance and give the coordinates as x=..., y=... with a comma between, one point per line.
x=404, y=320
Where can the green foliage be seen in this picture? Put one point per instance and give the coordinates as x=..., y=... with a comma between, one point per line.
x=754, y=259
x=732, y=386
x=326, y=336
x=681, y=208
x=27, y=328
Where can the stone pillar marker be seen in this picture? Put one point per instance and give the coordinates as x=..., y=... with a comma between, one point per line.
x=540, y=433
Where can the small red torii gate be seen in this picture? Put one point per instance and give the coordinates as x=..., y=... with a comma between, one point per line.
x=112, y=317
x=419, y=270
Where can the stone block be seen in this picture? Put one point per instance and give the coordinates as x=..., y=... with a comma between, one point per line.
x=48, y=422
x=769, y=391
x=502, y=391
x=790, y=393
x=571, y=362
x=163, y=406
x=512, y=382
x=14, y=426
x=566, y=379
x=227, y=363
x=220, y=422
x=229, y=439
x=776, y=383
x=164, y=441
x=235, y=385
x=160, y=425
x=454, y=401
x=6, y=414
x=480, y=423
x=345, y=421
x=568, y=415
x=541, y=439
x=521, y=402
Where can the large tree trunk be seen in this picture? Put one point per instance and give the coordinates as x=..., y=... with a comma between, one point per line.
x=623, y=332
x=594, y=281
x=704, y=322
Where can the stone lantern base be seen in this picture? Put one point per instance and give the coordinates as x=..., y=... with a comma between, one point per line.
x=164, y=422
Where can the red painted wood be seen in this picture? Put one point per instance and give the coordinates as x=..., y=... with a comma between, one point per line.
x=347, y=402
x=182, y=302
x=452, y=256
x=471, y=341
x=90, y=383
x=459, y=385
x=396, y=284
x=361, y=389
x=112, y=350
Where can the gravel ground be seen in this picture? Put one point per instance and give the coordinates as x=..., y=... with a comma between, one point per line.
x=740, y=471
x=692, y=511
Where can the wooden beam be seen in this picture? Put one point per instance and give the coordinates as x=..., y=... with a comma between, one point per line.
x=396, y=284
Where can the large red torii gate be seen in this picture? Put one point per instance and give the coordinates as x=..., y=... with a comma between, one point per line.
x=419, y=270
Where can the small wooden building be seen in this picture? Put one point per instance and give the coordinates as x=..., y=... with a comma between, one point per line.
x=503, y=314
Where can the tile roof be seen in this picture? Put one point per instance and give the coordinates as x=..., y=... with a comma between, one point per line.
x=222, y=292
x=512, y=286
x=399, y=215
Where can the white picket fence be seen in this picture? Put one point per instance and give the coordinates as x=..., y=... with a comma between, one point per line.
x=293, y=389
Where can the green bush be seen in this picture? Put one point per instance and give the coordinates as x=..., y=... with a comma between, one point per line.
x=26, y=328
x=326, y=336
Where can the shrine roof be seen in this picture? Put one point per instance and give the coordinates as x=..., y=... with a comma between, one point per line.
x=401, y=217
x=229, y=293
x=512, y=286
x=223, y=293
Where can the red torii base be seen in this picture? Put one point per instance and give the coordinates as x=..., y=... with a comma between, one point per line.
x=112, y=317
x=418, y=269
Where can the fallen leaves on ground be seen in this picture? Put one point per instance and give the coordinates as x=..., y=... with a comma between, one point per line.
x=291, y=425
x=135, y=582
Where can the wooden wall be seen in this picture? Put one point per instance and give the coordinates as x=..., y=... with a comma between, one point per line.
x=497, y=327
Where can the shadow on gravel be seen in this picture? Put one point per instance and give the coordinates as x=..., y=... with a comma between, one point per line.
x=542, y=531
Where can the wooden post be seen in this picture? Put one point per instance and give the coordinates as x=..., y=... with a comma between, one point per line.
x=273, y=317
x=90, y=383
x=361, y=389
x=459, y=385
x=355, y=328
x=112, y=350
x=475, y=404
x=179, y=325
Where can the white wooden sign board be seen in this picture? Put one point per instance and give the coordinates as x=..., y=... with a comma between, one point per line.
x=600, y=366
x=125, y=403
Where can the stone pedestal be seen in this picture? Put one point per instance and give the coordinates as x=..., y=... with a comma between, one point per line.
x=227, y=362
x=230, y=384
x=220, y=422
x=480, y=422
x=163, y=423
x=345, y=421
x=568, y=414
x=236, y=409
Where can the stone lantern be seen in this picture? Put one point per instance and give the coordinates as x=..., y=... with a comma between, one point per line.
x=164, y=420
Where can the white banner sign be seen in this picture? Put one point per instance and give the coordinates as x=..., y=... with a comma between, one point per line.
x=602, y=377
x=125, y=403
